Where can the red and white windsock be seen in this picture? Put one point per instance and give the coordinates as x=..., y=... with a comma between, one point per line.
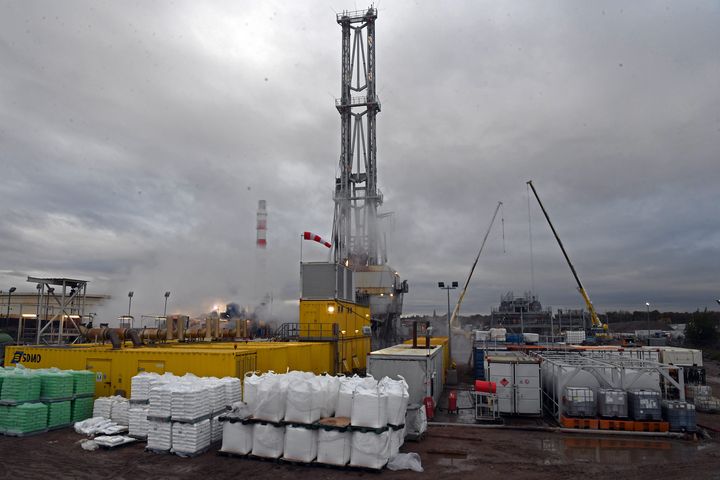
x=261, y=225
x=316, y=238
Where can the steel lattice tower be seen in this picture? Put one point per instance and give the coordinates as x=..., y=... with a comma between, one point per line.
x=355, y=229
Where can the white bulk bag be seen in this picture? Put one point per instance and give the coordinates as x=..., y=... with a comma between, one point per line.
x=237, y=438
x=305, y=399
x=397, y=399
x=250, y=386
x=301, y=444
x=268, y=440
x=334, y=447
x=271, y=398
x=343, y=407
x=369, y=407
x=397, y=438
x=331, y=386
x=370, y=450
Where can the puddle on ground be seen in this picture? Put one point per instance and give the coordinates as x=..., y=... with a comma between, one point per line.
x=623, y=451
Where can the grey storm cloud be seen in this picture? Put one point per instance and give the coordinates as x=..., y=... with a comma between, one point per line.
x=136, y=139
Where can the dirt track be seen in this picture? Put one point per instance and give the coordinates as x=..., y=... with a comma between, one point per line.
x=462, y=452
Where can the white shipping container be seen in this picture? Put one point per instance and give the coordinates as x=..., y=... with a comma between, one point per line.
x=517, y=380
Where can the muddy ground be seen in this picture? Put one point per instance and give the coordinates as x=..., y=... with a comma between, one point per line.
x=457, y=452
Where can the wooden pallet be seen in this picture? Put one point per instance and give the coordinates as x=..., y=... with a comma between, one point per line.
x=580, y=423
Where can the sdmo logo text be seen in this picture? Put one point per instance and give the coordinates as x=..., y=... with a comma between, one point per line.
x=22, y=357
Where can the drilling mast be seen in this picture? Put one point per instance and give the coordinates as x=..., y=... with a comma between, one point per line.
x=356, y=234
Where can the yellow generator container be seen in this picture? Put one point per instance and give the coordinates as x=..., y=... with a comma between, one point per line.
x=344, y=322
x=115, y=368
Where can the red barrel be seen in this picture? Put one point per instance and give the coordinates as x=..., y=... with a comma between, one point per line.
x=452, y=402
x=429, y=407
x=484, y=386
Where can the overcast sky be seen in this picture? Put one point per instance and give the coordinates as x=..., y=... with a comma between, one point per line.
x=137, y=137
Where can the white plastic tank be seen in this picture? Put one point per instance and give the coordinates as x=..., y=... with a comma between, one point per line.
x=531, y=337
x=482, y=335
x=498, y=334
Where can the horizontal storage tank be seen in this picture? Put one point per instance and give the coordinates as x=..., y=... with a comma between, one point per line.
x=556, y=378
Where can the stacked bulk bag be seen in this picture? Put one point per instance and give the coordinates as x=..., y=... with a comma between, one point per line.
x=138, y=421
x=250, y=387
x=159, y=436
x=237, y=437
x=233, y=390
x=102, y=407
x=301, y=444
x=268, y=440
x=189, y=403
x=190, y=438
x=369, y=407
x=83, y=382
x=334, y=447
x=305, y=400
x=397, y=400
x=140, y=386
x=26, y=418
x=270, y=398
x=331, y=390
x=59, y=414
x=55, y=385
x=119, y=410
x=370, y=449
x=160, y=404
x=21, y=385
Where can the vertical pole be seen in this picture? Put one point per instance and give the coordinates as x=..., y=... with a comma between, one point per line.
x=62, y=315
x=449, y=328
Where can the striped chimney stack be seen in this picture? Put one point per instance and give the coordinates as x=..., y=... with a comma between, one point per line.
x=261, y=225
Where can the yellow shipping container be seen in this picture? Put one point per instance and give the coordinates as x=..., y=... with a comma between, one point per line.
x=115, y=368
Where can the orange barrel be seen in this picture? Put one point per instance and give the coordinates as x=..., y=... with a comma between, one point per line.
x=484, y=386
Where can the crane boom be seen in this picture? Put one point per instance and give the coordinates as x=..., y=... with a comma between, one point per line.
x=456, y=310
x=593, y=315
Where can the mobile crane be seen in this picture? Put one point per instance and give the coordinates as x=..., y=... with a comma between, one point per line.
x=598, y=328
